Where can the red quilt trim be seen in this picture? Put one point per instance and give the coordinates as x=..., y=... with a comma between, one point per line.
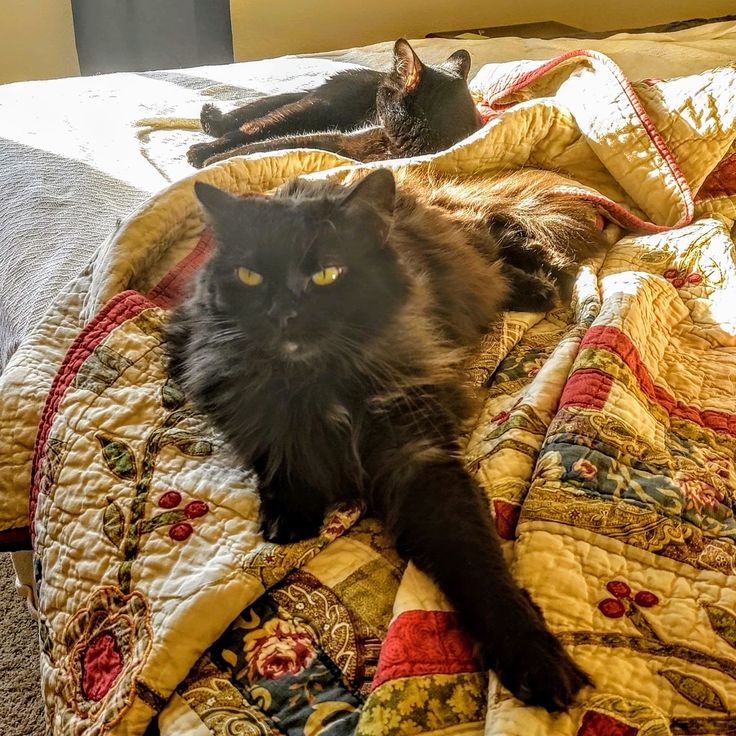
x=528, y=77
x=119, y=309
x=618, y=213
x=171, y=287
x=424, y=643
x=615, y=341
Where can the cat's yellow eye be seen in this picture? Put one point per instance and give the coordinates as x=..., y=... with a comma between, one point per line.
x=248, y=277
x=327, y=276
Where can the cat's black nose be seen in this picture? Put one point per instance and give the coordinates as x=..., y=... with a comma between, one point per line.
x=281, y=314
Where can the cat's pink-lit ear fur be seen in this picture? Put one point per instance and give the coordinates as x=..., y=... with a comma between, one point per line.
x=407, y=65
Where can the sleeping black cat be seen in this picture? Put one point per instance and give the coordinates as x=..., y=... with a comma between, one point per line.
x=363, y=114
x=326, y=338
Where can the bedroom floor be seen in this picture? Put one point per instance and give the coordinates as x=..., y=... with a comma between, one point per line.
x=21, y=708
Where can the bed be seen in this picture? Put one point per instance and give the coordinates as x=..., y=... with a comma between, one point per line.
x=606, y=443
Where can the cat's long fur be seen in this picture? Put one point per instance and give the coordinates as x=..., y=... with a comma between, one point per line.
x=356, y=389
x=364, y=114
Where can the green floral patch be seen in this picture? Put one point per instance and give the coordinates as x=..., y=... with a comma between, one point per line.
x=417, y=704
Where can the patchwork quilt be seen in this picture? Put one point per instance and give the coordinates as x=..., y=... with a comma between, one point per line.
x=606, y=445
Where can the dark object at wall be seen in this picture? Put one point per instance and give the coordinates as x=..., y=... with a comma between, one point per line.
x=140, y=35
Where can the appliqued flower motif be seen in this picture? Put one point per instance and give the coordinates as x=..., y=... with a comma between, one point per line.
x=678, y=278
x=181, y=531
x=195, y=509
x=585, y=469
x=106, y=642
x=622, y=599
x=698, y=493
x=279, y=648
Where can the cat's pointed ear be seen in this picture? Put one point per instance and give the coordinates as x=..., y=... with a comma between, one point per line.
x=407, y=65
x=228, y=214
x=214, y=201
x=458, y=63
x=376, y=191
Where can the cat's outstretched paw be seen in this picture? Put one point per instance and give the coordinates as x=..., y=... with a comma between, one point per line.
x=212, y=120
x=538, y=671
x=530, y=292
x=282, y=527
x=199, y=153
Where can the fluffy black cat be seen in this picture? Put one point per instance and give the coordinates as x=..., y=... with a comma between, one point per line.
x=363, y=114
x=326, y=339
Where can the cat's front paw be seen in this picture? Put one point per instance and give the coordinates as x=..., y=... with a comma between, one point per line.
x=529, y=292
x=538, y=671
x=283, y=527
x=544, y=295
x=212, y=120
x=198, y=154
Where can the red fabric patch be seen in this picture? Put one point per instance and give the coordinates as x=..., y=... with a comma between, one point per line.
x=506, y=516
x=181, y=531
x=646, y=599
x=170, y=500
x=616, y=342
x=102, y=663
x=195, y=509
x=599, y=724
x=721, y=182
x=424, y=643
x=587, y=387
x=612, y=608
x=618, y=588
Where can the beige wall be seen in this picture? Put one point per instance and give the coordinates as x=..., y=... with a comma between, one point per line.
x=37, y=36
x=263, y=28
x=36, y=40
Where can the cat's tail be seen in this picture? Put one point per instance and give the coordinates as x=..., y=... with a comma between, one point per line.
x=532, y=211
x=537, y=220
